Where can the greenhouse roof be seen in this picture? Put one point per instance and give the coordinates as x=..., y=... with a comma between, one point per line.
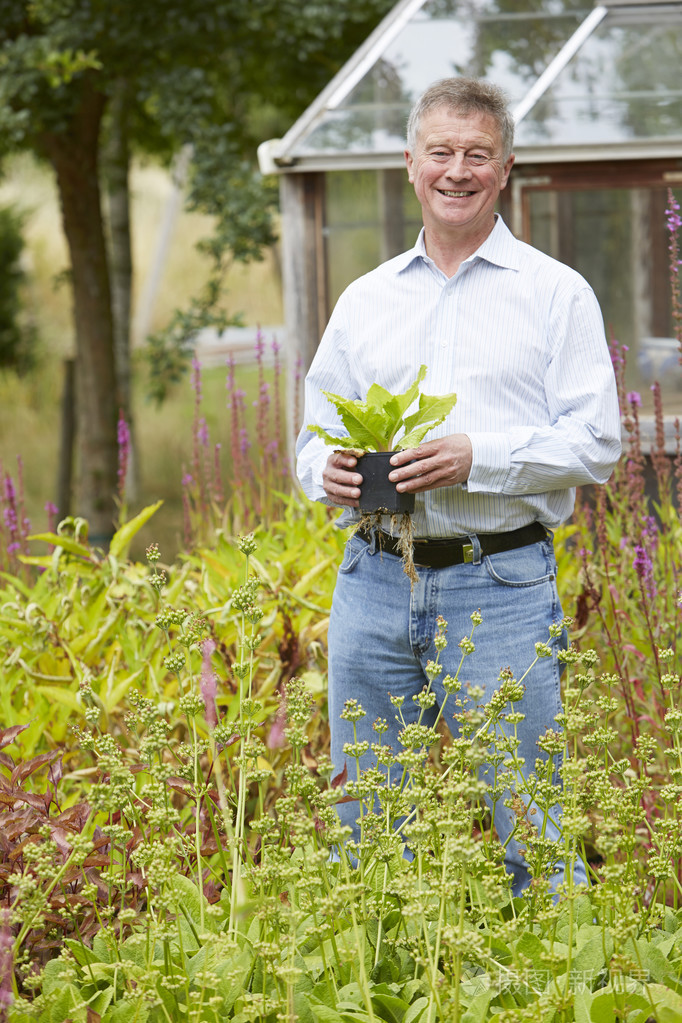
x=585, y=83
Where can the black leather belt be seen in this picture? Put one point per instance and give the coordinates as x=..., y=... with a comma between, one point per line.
x=458, y=550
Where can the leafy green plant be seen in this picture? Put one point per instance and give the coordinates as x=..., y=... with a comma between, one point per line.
x=373, y=424
x=214, y=895
x=89, y=617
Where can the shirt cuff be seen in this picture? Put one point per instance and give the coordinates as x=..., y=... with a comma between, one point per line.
x=490, y=464
x=310, y=475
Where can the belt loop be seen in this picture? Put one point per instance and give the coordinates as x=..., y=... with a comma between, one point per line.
x=475, y=558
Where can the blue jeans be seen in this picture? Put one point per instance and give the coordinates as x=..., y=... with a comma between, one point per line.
x=381, y=636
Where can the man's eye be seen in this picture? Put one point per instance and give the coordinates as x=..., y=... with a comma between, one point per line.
x=477, y=158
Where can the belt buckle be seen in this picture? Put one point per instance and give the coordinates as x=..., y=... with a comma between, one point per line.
x=467, y=553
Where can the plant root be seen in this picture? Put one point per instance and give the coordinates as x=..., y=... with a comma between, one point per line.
x=403, y=525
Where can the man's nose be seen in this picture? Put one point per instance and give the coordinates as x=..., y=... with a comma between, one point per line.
x=458, y=166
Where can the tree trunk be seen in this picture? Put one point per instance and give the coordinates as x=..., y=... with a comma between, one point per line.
x=117, y=174
x=74, y=156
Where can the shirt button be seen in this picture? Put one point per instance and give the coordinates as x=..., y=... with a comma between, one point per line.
x=444, y=344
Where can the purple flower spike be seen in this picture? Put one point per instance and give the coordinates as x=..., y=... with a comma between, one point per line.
x=123, y=439
x=644, y=568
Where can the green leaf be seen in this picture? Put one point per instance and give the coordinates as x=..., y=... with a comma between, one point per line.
x=477, y=1010
x=432, y=411
x=606, y=1003
x=400, y=402
x=590, y=957
x=302, y=1009
x=530, y=946
x=373, y=424
x=104, y=947
x=324, y=1013
x=329, y=438
x=389, y=1007
x=112, y=699
x=383, y=401
x=66, y=999
x=136, y=1011
x=368, y=427
x=53, y=974
x=582, y=1000
x=65, y=543
x=102, y=1000
x=122, y=537
x=237, y=968
x=414, y=1013
x=55, y=694
x=134, y=952
x=668, y=1003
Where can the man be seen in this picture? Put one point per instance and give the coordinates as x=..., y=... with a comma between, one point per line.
x=520, y=338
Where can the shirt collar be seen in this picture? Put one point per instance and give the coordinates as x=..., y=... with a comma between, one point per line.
x=500, y=248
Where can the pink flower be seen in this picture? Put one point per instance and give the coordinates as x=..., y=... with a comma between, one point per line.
x=209, y=684
x=673, y=219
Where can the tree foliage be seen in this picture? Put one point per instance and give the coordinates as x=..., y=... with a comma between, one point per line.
x=16, y=338
x=218, y=75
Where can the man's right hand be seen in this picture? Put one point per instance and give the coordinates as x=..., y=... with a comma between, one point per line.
x=341, y=484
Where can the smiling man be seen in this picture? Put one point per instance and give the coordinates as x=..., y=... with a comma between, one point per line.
x=520, y=338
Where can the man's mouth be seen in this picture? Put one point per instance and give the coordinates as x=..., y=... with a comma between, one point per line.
x=454, y=195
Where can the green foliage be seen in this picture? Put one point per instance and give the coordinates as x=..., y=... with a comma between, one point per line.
x=182, y=73
x=372, y=424
x=195, y=882
x=90, y=619
x=183, y=860
x=621, y=578
x=17, y=340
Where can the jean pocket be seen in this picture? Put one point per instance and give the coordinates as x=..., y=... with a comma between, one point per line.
x=523, y=566
x=354, y=550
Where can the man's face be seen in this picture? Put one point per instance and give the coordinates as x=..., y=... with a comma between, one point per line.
x=458, y=171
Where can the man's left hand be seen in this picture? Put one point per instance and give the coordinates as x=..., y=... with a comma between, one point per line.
x=436, y=463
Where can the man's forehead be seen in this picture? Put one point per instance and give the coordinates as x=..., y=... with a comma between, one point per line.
x=445, y=120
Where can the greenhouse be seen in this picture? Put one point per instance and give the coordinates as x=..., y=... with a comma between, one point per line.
x=597, y=98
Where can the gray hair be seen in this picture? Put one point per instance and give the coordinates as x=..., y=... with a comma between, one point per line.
x=464, y=96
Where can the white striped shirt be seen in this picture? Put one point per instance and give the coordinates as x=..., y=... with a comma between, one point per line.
x=520, y=338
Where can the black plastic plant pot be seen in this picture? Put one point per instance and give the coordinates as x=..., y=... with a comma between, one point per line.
x=377, y=493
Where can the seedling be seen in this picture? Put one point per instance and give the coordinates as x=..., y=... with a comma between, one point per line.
x=374, y=424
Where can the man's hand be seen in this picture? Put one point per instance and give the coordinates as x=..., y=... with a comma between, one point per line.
x=437, y=463
x=341, y=484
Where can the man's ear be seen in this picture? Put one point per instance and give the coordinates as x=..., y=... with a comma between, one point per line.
x=506, y=171
x=409, y=162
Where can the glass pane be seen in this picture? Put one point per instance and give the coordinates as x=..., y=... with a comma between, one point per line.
x=624, y=83
x=371, y=216
x=618, y=240
x=507, y=41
